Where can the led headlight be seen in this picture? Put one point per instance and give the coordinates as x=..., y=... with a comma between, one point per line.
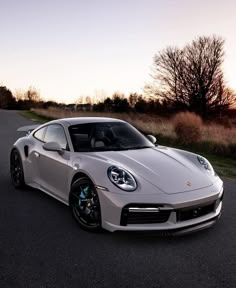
x=122, y=178
x=206, y=164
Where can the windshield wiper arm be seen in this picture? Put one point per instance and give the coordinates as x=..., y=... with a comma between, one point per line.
x=139, y=147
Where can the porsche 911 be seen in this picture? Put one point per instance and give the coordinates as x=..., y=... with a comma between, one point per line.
x=115, y=178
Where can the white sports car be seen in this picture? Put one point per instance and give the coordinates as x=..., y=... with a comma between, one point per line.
x=113, y=177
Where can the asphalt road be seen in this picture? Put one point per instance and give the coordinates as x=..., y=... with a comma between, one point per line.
x=41, y=245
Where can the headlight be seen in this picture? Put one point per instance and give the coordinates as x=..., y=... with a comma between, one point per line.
x=206, y=164
x=122, y=178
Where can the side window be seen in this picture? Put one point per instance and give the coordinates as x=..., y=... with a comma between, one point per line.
x=55, y=133
x=40, y=134
x=80, y=136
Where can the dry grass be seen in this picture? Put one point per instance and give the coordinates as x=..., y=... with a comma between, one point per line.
x=162, y=127
x=150, y=124
x=187, y=127
x=219, y=134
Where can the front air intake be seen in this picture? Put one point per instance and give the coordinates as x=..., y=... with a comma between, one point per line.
x=144, y=214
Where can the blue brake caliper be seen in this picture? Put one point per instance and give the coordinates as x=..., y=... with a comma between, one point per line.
x=83, y=195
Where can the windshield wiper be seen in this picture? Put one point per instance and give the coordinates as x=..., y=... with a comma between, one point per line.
x=107, y=149
x=139, y=147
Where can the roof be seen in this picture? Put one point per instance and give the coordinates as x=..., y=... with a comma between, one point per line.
x=80, y=120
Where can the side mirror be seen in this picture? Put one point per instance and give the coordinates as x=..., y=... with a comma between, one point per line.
x=152, y=139
x=53, y=146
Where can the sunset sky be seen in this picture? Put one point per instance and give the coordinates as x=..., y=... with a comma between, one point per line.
x=73, y=48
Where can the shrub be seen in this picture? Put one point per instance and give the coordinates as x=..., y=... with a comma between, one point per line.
x=187, y=127
x=226, y=122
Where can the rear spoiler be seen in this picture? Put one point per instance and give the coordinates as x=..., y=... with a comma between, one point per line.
x=28, y=129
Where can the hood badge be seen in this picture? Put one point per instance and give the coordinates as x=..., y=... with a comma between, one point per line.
x=188, y=183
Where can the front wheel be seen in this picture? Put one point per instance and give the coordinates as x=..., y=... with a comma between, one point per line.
x=16, y=169
x=84, y=204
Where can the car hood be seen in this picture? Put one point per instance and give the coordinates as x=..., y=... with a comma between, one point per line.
x=167, y=169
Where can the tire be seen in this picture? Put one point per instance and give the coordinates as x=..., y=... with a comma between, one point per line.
x=85, y=205
x=16, y=169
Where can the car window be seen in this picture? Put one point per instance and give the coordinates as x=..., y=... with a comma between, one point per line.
x=107, y=136
x=40, y=134
x=81, y=135
x=55, y=133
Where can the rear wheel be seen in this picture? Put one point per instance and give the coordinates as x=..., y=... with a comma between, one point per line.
x=84, y=204
x=16, y=169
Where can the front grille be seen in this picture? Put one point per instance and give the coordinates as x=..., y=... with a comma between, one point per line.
x=194, y=212
x=128, y=217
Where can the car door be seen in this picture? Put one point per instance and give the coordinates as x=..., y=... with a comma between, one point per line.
x=53, y=167
x=33, y=175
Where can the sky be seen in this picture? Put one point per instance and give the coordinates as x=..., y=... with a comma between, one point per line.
x=72, y=48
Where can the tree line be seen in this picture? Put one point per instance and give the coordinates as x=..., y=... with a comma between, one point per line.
x=183, y=79
x=21, y=100
x=116, y=103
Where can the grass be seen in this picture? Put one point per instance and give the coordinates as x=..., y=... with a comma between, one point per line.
x=214, y=137
x=33, y=116
x=224, y=167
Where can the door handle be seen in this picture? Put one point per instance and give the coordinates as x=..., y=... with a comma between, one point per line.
x=36, y=154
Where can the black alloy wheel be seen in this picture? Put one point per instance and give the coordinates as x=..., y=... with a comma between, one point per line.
x=16, y=169
x=84, y=204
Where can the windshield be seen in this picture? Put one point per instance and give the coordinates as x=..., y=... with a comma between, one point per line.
x=107, y=136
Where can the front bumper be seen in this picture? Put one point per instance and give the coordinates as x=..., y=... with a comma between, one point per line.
x=113, y=205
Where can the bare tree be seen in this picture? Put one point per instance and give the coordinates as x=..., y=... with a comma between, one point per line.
x=88, y=100
x=32, y=95
x=192, y=77
x=133, y=99
x=19, y=94
x=80, y=100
